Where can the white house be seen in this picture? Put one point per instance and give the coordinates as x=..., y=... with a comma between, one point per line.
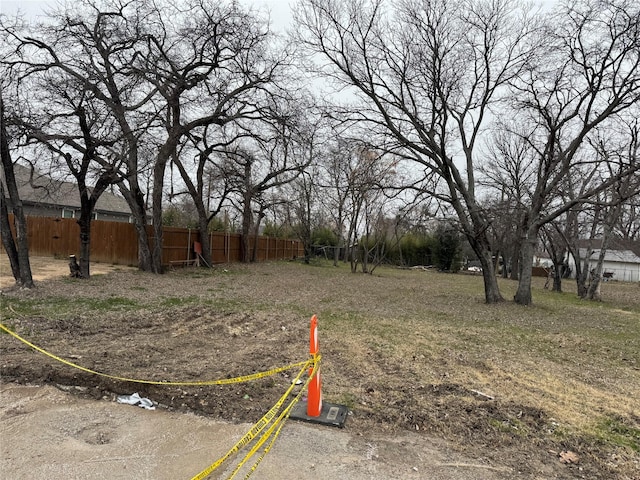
x=623, y=264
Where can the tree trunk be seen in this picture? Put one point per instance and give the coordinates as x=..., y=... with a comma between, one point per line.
x=203, y=230
x=496, y=264
x=594, y=287
x=25, y=278
x=491, y=290
x=135, y=199
x=557, y=277
x=307, y=252
x=593, y=293
x=365, y=252
x=336, y=250
x=515, y=263
x=527, y=248
x=144, y=251
x=158, y=183
x=505, y=266
x=353, y=255
x=85, y=244
x=475, y=229
x=7, y=237
x=480, y=244
x=256, y=232
x=582, y=273
x=246, y=227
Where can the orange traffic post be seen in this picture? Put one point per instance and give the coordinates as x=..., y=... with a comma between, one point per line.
x=314, y=399
x=317, y=411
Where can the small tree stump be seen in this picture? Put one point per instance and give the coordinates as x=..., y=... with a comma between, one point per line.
x=74, y=268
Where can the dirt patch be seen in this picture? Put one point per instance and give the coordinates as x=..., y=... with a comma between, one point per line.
x=80, y=438
x=396, y=374
x=45, y=268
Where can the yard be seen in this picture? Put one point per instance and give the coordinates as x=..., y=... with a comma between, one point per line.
x=549, y=390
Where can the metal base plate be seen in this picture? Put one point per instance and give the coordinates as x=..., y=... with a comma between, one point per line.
x=331, y=414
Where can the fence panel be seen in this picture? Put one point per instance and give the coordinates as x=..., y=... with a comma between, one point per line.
x=117, y=242
x=177, y=244
x=113, y=242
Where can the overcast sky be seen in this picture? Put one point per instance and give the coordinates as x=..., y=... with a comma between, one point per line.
x=280, y=10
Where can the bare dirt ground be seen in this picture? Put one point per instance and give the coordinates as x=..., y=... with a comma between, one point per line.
x=47, y=433
x=409, y=419
x=45, y=268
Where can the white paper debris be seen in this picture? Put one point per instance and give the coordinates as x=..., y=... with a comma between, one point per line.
x=136, y=399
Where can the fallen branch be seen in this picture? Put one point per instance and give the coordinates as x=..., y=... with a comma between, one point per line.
x=475, y=465
x=483, y=395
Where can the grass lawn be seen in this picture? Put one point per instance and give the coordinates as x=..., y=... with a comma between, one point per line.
x=417, y=350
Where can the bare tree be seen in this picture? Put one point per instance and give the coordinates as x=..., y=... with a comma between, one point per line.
x=554, y=243
x=210, y=64
x=335, y=181
x=590, y=74
x=628, y=225
x=162, y=71
x=207, y=189
x=306, y=198
x=77, y=133
x=427, y=73
x=372, y=172
x=257, y=165
x=301, y=209
x=510, y=173
x=614, y=198
x=95, y=46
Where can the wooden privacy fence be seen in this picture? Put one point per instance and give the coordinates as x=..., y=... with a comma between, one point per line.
x=117, y=242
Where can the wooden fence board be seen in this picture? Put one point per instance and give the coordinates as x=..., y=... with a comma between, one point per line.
x=117, y=242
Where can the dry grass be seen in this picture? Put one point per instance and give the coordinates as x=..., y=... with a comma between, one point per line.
x=408, y=349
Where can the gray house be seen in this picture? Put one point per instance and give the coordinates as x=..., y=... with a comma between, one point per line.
x=623, y=265
x=43, y=196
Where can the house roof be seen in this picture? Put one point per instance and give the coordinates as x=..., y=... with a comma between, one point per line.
x=620, y=256
x=41, y=189
x=615, y=243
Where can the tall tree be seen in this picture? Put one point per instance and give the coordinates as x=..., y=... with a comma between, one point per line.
x=369, y=176
x=162, y=71
x=206, y=188
x=614, y=198
x=554, y=244
x=275, y=154
x=426, y=73
x=211, y=64
x=78, y=134
x=95, y=45
x=306, y=196
x=509, y=172
x=590, y=73
x=335, y=180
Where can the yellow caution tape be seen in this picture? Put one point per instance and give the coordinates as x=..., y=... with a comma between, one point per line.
x=224, y=381
x=253, y=432
x=261, y=425
x=264, y=453
x=279, y=423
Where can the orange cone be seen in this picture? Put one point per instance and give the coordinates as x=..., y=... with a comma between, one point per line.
x=314, y=394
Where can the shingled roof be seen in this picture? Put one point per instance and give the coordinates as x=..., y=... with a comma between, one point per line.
x=621, y=256
x=40, y=189
x=614, y=244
